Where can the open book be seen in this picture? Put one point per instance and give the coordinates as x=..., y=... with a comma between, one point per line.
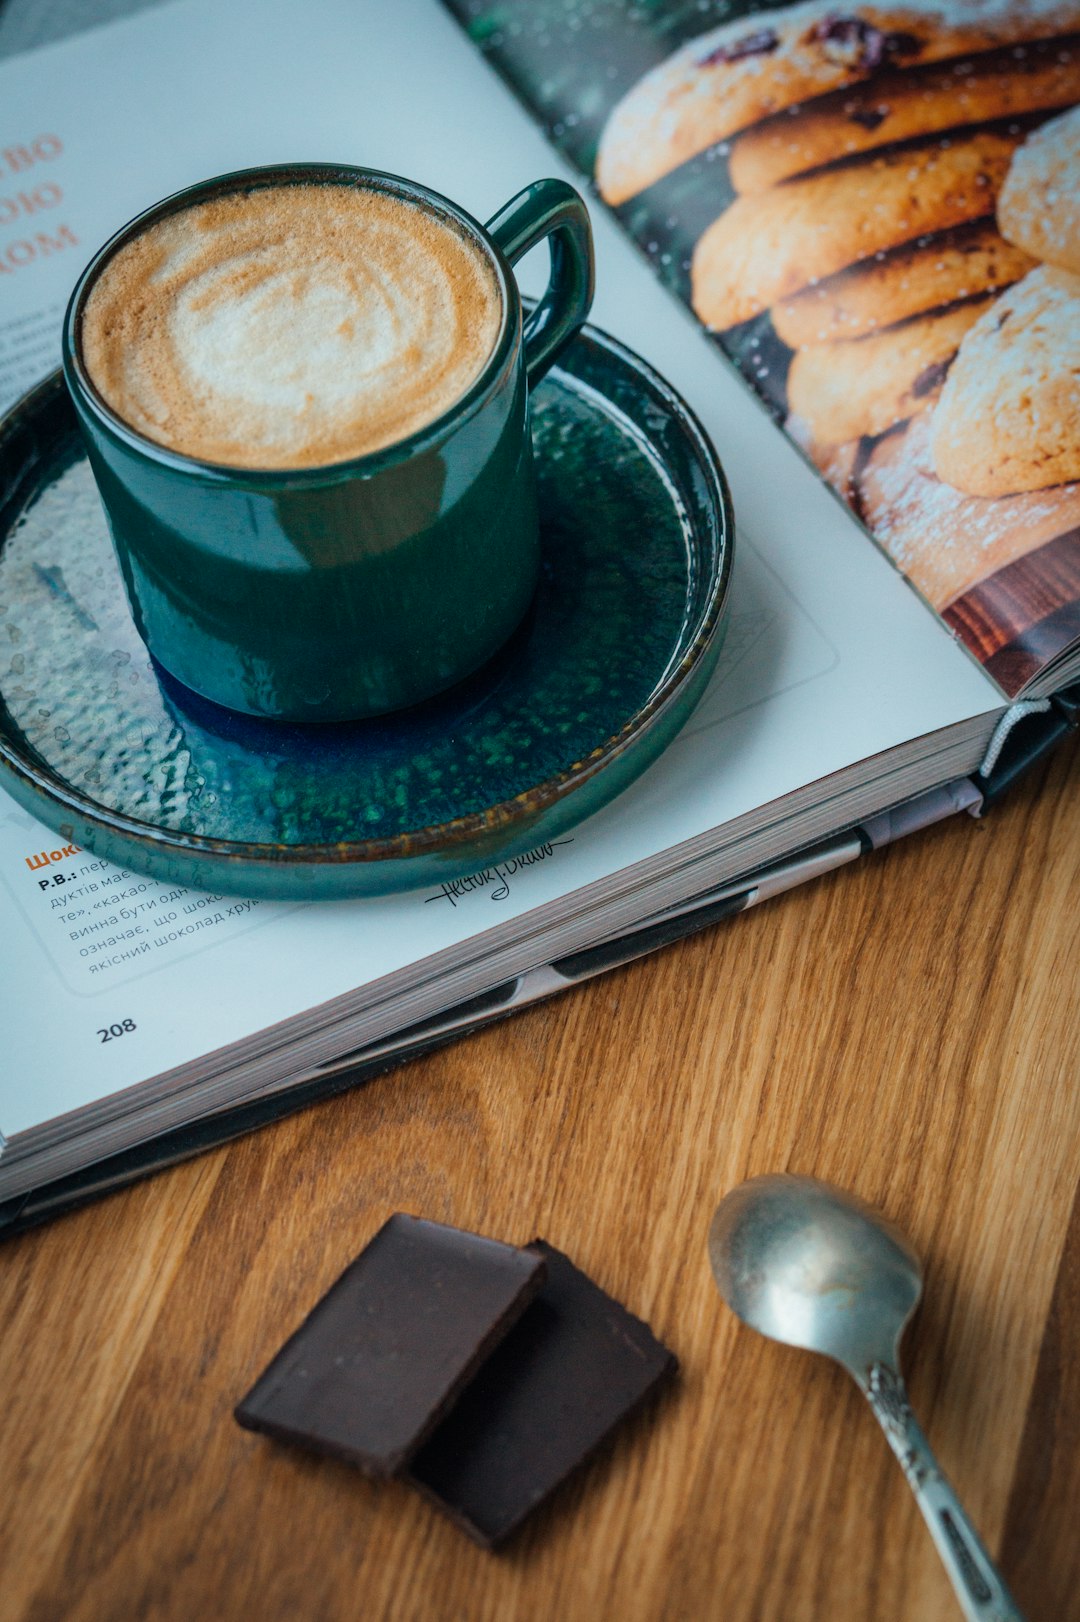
x=850, y=704
x=874, y=214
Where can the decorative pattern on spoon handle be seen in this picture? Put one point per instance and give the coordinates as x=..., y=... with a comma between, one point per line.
x=979, y=1588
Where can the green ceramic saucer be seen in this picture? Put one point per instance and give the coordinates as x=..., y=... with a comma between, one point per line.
x=107, y=750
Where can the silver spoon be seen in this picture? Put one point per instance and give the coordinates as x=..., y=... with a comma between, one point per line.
x=809, y=1265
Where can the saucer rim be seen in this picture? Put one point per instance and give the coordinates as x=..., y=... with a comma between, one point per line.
x=39, y=779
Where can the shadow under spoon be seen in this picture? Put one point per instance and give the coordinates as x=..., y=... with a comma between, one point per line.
x=809, y=1265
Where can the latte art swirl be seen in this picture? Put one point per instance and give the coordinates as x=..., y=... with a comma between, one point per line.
x=290, y=326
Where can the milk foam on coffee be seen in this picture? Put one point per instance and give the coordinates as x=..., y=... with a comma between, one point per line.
x=290, y=326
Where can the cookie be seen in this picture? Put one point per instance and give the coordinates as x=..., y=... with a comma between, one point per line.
x=1039, y=205
x=848, y=390
x=922, y=276
x=1009, y=415
x=726, y=80
x=903, y=106
x=764, y=249
x=945, y=541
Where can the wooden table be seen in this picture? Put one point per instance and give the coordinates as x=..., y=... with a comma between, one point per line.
x=907, y=1028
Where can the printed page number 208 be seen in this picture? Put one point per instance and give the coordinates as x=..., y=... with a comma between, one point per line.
x=121, y=1028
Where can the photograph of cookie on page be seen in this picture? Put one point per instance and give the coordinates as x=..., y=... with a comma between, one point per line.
x=874, y=209
x=978, y=497
x=867, y=161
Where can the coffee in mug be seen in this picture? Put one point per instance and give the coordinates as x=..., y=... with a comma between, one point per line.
x=304, y=391
x=291, y=326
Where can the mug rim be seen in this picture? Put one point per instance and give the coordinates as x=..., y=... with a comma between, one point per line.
x=504, y=352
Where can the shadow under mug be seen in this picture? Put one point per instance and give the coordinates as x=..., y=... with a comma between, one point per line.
x=332, y=593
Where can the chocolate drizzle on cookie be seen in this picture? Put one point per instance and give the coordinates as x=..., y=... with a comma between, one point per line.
x=869, y=118
x=931, y=377
x=855, y=43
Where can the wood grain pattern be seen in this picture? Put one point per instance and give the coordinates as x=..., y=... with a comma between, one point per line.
x=1040, y=1544
x=906, y=1028
x=1023, y=616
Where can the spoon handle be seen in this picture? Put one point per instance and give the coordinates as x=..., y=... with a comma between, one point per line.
x=979, y=1588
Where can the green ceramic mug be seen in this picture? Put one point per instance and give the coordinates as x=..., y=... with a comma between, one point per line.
x=340, y=591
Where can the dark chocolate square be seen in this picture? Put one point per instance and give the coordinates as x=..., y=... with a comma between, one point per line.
x=559, y=1382
x=377, y=1363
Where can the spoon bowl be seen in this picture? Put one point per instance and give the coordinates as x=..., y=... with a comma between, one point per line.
x=812, y=1266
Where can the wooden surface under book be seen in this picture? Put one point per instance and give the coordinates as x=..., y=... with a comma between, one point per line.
x=907, y=1027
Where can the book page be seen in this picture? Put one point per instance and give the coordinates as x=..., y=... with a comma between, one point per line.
x=831, y=657
x=881, y=231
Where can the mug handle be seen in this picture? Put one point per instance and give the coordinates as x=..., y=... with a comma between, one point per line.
x=550, y=208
